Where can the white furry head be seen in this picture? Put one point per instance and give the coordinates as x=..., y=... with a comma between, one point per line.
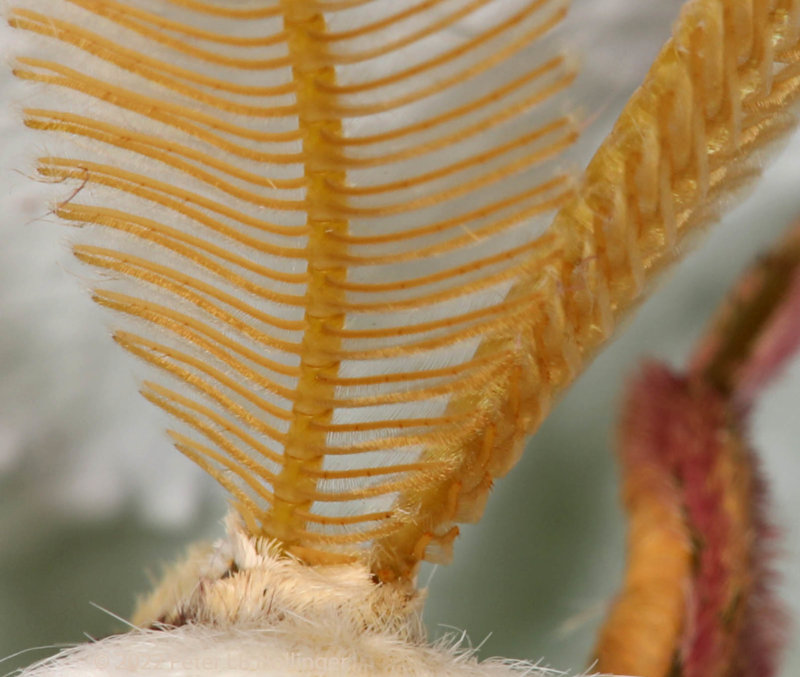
x=240, y=608
x=195, y=651
x=246, y=582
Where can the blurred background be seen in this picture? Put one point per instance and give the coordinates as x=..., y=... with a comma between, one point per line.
x=94, y=500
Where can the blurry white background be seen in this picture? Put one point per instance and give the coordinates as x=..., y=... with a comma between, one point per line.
x=92, y=495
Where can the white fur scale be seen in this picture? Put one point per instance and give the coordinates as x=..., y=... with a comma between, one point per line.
x=252, y=611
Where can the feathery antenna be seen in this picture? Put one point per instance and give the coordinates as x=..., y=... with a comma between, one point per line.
x=325, y=223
